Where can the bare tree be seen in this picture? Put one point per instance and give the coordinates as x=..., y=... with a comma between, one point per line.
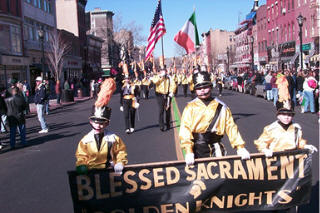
x=58, y=48
x=127, y=36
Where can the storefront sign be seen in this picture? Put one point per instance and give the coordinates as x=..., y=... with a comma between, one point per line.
x=14, y=60
x=226, y=184
x=288, y=49
x=73, y=63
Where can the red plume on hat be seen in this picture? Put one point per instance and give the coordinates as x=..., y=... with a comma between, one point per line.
x=106, y=90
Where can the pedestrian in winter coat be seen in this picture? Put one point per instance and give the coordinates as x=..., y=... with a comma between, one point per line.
x=309, y=85
x=40, y=101
x=16, y=118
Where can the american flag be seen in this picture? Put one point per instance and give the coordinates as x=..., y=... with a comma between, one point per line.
x=157, y=30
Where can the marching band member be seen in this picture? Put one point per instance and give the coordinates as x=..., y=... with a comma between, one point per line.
x=184, y=82
x=282, y=134
x=164, y=89
x=204, y=122
x=101, y=148
x=129, y=103
x=145, y=83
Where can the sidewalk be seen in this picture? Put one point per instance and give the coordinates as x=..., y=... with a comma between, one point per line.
x=53, y=105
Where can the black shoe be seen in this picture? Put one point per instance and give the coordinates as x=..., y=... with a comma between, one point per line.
x=162, y=129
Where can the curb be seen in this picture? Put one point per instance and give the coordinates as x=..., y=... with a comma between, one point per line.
x=56, y=106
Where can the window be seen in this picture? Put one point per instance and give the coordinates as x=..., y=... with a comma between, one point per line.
x=289, y=32
x=28, y=1
x=298, y=3
x=8, y=6
x=292, y=5
x=305, y=32
x=16, y=39
x=45, y=6
x=288, y=5
x=35, y=3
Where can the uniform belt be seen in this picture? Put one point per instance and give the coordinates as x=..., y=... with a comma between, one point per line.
x=208, y=137
x=128, y=96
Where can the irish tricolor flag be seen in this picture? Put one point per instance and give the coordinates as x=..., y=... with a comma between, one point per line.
x=188, y=37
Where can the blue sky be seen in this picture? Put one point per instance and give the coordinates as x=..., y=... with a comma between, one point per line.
x=215, y=14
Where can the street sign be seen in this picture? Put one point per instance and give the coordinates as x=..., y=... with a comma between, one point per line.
x=306, y=47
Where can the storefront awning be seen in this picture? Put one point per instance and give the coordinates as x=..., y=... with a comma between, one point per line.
x=249, y=18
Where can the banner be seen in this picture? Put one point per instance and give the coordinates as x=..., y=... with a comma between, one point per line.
x=226, y=184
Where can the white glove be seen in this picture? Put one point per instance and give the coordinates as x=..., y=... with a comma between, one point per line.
x=189, y=158
x=136, y=105
x=243, y=152
x=162, y=74
x=118, y=168
x=121, y=108
x=170, y=95
x=267, y=152
x=311, y=148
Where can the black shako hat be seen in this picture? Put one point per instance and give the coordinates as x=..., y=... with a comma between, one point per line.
x=201, y=79
x=100, y=114
x=284, y=108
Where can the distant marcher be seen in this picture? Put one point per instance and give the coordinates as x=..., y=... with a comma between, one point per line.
x=220, y=85
x=16, y=106
x=40, y=100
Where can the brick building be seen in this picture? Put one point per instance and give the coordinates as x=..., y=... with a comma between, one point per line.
x=13, y=63
x=283, y=32
x=262, y=36
x=99, y=23
x=71, y=18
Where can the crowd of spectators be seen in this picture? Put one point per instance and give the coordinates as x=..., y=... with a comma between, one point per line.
x=300, y=87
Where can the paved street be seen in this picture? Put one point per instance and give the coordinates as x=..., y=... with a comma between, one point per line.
x=34, y=179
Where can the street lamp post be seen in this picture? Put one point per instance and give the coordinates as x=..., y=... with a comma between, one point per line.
x=300, y=20
x=41, y=37
x=252, y=53
x=228, y=59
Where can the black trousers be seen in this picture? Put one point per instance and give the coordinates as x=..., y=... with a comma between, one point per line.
x=145, y=90
x=129, y=113
x=202, y=149
x=185, y=90
x=162, y=103
x=220, y=88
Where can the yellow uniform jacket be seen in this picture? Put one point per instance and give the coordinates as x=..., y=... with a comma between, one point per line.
x=146, y=81
x=162, y=84
x=196, y=118
x=190, y=81
x=276, y=138
x=184, y=79
x=88, y=154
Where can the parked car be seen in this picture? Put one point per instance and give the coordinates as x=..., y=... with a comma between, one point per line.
x=260, y=91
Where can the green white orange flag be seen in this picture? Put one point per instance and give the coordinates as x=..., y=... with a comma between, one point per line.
x=188, y=37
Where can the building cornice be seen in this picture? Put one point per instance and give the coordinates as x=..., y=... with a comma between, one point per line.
x=11, y=18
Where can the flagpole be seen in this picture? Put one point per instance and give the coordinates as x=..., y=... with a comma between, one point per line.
x=162, y=49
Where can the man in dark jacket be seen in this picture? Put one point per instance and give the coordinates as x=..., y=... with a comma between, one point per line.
x=15, y=112
x=40, y=98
